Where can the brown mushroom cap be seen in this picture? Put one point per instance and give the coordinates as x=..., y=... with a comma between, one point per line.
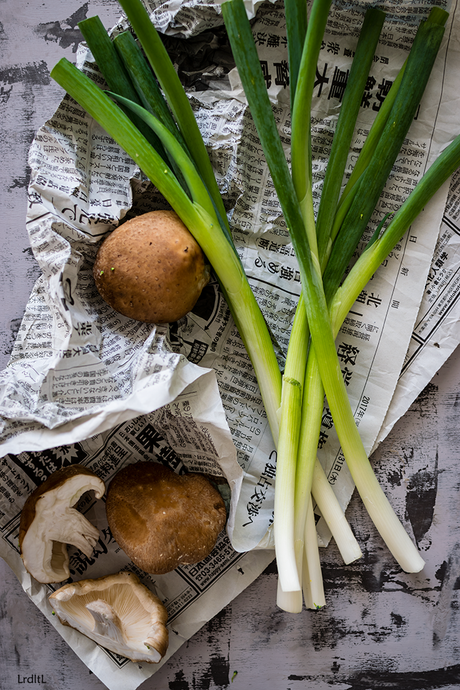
x=161, y=519
x=151, y=268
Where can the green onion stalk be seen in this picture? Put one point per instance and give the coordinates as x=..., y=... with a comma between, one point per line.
x=296, y=200
x=176, y=97
x=295, y=477
x=245, y=54
x=326, y=224
x=198, y=206
x=376, y=252
x=289, y=537
x=313, y=400
x=323, y=345
x=388, y=140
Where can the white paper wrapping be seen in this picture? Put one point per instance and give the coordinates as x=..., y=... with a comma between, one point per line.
x=85, y=384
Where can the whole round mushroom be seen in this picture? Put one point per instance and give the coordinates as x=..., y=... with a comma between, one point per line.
x=162, y=519
x=151, y=268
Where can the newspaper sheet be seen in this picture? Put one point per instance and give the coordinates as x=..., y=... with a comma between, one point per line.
x=435, y=335
x=373, y=341
x=85, y=384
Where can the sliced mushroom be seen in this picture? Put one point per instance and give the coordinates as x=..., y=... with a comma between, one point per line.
x=49, y=522
x=118, y=612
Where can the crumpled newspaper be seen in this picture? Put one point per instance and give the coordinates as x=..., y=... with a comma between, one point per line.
x=85, y=384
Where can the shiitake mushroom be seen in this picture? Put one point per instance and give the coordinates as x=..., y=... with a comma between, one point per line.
x=162, y=519
x=151, y=268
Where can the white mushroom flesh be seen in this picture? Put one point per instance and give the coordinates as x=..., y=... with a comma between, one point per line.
x=56, y=524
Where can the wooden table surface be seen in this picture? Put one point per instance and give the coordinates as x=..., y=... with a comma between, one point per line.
x=381, y=628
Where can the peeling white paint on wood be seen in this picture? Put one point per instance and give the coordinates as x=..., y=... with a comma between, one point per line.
x=381, y=629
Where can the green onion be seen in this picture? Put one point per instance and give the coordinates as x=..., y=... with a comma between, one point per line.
x=199, y=216
x=437, y=16
x=368, y=263
x=112, y=69
x=326, y=233
x=365, y=267
x=242, y=42
x=315, y=381
x=144, y=81
x=312, y=581
x=334, y=516
x=301, y=161
x=174, y=93
x=313, y=399
x=349, y=109
x=293, y=403
x=173, y=147
x=299, y=206
x=416, y=74
x=147, y=90
x=287, y=554
x=296, y=29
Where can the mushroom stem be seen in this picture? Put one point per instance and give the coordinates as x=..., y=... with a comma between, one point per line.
x=73, y=528
x=156, y=639
x=152, y=645
x=49, y=522
x=106, y=620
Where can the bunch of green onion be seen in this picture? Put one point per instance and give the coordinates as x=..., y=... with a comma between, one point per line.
x=148, y=113
x=324, y=246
